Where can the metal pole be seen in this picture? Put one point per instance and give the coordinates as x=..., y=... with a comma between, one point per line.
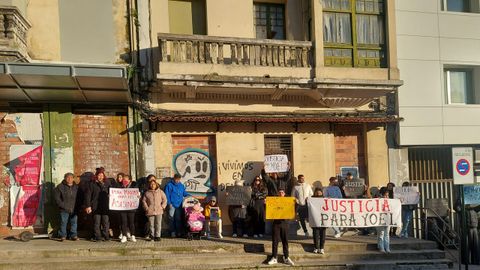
x=464, y=230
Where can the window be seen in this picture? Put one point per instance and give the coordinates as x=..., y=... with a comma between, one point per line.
x=187, y=17
x=276, y=145
x=472, y=6
x=354, y=33
x=459, y=86
x=269, y=21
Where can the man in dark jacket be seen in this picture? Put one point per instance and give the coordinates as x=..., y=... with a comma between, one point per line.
x=66, y=198
x=274, y=182
x=96, y=203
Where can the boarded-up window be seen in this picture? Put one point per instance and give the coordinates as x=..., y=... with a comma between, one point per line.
x=187, y=17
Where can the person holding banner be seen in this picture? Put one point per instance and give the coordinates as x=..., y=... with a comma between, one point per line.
x=128, y=216
x=175, y=192
x=333, y=191
x=407, y=214
x=301, y=192
x=274, y=182
x=96, y=203
x=319, y=233
x=213, y=216
x=383, y=235
x=280, y=232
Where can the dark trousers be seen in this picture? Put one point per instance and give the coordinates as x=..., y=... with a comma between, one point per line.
x=128, y=223
x=319, y=237
x=302, y=211
x=101, y=224
x=259, y=217
x=239, y=226
x=279, y=232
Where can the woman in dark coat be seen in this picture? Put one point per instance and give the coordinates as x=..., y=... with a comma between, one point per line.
x=259, y=193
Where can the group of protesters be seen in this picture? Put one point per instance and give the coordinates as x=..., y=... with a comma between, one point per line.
x=92, y=199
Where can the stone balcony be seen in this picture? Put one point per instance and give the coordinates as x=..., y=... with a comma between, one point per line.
x=13, y=35
x=233, y=57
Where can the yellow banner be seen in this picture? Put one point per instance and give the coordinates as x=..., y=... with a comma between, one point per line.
x=280, y=208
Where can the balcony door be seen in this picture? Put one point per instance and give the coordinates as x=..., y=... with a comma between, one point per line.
x=269, y=21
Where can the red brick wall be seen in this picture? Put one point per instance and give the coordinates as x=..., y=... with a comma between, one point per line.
x=6, y=127
x=100, y=140
x=350, y=148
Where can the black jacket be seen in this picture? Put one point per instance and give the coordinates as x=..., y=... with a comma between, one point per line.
x=66, y=197
x=96, y=197
x=273, y=186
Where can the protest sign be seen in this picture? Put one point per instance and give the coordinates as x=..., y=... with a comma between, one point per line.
x=238, y=195
x=280, y=208
x=440, y=206
x=407, y=195
x=354, y=188
x=214, y=216
x=276, y=163
x=327, y=212
x=471, y=194
x=124, y=198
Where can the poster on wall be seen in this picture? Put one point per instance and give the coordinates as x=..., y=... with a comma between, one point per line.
x=196, y=169
x=26, y=193
x=462, y=158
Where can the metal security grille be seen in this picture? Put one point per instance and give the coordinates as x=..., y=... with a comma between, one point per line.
x=430, y=163
x=275, y=145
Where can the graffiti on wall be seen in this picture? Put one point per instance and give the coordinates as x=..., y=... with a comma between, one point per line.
x=196, y=169
x=26, y=192
x=236, y=170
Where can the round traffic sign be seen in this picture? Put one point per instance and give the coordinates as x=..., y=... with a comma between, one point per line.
x=463, y=166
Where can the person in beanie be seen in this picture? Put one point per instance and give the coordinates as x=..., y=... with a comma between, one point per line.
x=175, y=192
x=208, y=217
x=280, y=232
x=154, y=203
x=66, y=198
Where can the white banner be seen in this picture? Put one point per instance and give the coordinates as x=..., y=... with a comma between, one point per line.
x=327, y=212
x=407, y=195
x=124, y=198
x=276, y=163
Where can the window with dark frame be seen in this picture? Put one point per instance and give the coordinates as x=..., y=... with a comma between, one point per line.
x=278, y=145
x=269, y=21
x=354, y=33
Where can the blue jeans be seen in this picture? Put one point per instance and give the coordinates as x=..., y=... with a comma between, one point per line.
x=407, y=216
x=383, y=238
x=176, y=224
x=64, y=219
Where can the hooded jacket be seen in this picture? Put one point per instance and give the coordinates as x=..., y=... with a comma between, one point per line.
x=175, y=193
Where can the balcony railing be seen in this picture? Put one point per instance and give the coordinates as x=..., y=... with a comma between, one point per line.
x=234, y=51
x=13, y=33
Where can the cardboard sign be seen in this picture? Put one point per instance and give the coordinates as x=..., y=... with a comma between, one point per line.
x=276, y=163
x=354, y=188
x=407, y=195
x=471, y=194
x=327, y=212
x=280, y=208
x=238, y=195
x=462, y=158
x=124, y=198
x=214, y=216
x=440, y=206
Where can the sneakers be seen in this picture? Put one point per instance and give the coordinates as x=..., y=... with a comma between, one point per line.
x=260, y=235
x=288, y=261
x=307, y=234
x=234, y=235
x=382, y=250
x=220, y=236
x=322, y=251
x=75, y=238
x=158, y=239
x=120, y=236
x=208, y=235
x=173, y=235
x=62, y=239
x=387, y=250
x=124, y=239
x=255, y=236
x=245, y=235
x=315, y=251
x=132, y=238
x=337, y=235
x=272, y=261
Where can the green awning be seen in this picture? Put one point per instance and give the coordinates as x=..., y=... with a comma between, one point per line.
x=63, y=83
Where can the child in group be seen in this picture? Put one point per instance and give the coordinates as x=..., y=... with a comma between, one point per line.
x=195, y=218
x=383, y=236
x=154, y=203
x=213, y=216
x=319, y=233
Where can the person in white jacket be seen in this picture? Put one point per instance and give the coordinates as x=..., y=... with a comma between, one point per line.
x=302, y=191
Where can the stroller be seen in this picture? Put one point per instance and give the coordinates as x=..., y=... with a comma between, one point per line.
x=194, y=218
